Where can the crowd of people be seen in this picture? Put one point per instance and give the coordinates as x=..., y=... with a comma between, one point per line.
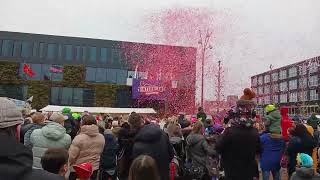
x=242, y=146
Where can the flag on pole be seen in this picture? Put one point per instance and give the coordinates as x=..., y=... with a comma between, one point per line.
x=56, y=69
x=27, y=70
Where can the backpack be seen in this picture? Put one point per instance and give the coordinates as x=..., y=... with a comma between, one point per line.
x=109, y=154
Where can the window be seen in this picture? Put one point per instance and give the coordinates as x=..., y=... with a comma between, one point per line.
x=274, y=76
x=275, y=88
x=260, y=100
x=103, y=55
x=275, y=98
x=303, y=83
x=302, y=69
x=283, y=86
x=115, y=56
x=66, y=96
x=293, y=97
x=26, y=49
x=283, y=74
x=303, y=96
x=260, y=90
x=101, y=75
x=121, y=76
x=90, y=74
x=42, y=50
x=293, y=84
x=7, y=48
x=68, y=49
x=254, y=81
x=313, y=81
x=266, y=89
x=72, y=96
x=51, y=72
x=52, y=51
x=93, y=54
x=78, y=53
x=13, y=91
x=77, y=99
x=260, y=80
x=16, y=48
x=283, y=98
x=313, y=68
x=36, y=68
x=267, y=100
x=267, y=78
x=35, y=49
x=254, y=90
x=55, y=95
x=84, y=53
x=313, y=95
x=293, y=72
x=60, y=51
x=112, y=76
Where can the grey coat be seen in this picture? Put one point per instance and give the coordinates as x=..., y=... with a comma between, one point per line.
x=304, y=174
x=27, y=135
x=198, y=149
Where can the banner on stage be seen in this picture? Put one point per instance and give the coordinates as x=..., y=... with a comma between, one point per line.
x=148, y=89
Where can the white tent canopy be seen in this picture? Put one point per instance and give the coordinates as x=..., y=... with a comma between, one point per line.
x=96, y=110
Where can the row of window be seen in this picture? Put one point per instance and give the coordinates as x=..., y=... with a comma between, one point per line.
x=292, y=97
x=283, y=86
x=283, y=74
x=72, y=96
x=65, y=52
x=103, y=75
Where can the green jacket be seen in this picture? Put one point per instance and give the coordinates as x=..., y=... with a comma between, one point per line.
x=273, y=122
x=313, y=121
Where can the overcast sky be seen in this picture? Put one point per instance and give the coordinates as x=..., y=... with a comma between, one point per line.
x=259, y=32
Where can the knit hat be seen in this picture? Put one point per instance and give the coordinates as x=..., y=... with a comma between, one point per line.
x=270, y=108
x=83, y=170
x=58, y=117
x=9, y=114
x=304, y=160
x=66, y=110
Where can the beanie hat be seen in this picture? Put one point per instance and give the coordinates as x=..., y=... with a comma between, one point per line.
x=83, y=170
x=9, y=114
x=270, y=108
x=304, y=160
x=66, y=110
x=76, y=116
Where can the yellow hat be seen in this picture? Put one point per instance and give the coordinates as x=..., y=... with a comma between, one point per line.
x=270, y=108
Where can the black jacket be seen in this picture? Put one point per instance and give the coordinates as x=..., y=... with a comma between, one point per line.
x=238, y=146
x=152, y=141
x=16, y=162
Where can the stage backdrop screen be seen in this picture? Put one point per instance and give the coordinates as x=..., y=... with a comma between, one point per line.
x=148, y=90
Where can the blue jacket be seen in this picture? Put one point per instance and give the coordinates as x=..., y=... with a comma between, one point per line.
x=272, y=149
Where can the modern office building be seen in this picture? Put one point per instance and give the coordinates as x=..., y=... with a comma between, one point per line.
x=93, y=72
x=295, y=85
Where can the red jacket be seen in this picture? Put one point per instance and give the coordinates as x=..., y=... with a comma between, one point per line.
x=286, y=123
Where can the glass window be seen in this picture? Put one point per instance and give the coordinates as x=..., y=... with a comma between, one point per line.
x=13, y=91
x=260, y=80
x=260, y=100
x=275, y=87
x=293, y=84
x=77, y=99
x=131, y=74
x=293, y=72
x=52, y=51
x=66, y=96
x=68, y=49
x=16, y=48
x=293, y=97
x=36, y=68
x=283, y=86
x=101, y=75
x=260, y=90
x=283, y=98
x=42, y=50
x=26, y=49
x=55, y=95
x=266, y=89
x=112, y=76
x=90, y=74
x=313, y=95
x=275, y=98
x=60, y=51
x=103, y=55
x=274, y=76
x=7, y=48
x=35, y=49
x=267, y=100
x=116, y=56
x=254, y=81
x=56, y=72
x=84, y=53
x=313, y=67
x=283, y=74
x=78, y=53
x=0, y=46
x=267, y=78
x=303, y=95
x=122, y=76
x=93, y=54
x=313, y=81
x=303, y=82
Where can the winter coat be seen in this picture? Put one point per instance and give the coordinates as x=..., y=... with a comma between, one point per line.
x=87, y=146
x=198, y=149
x=299, y=145
x=286, y=123
x=16, y=162
x=152, y=141
x=110, y=151
x=53, y=135
x=27, y=135
x=304, y=174
x=273, y=147
x=238, y=146
x=313, y=121
x=273, y=122
x=202, y=115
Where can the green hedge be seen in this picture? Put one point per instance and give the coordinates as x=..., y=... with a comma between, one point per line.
x=40, y=90
x=74, y=75
x=105, y=95
x=8, y=70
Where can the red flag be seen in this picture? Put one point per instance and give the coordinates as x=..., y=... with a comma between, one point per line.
x=27, y=70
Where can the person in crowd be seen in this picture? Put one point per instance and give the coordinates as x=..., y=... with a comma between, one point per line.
x=151, y=140
x=183, y=121
x=16, y=159
x=69, y=123
x=272, y=121
x=304, y=168
x=27, y=120
x=240, y=143
x=108, y=165
x=297, y=117
x=201, y=114
x=87, y=146
x=55, y=161
x=198, y=149
x=52, y=135
x=286, y=123
x=144, y=167
x=315, y=150
x=174, y=128
x=273, y=147
x=301, y=142
x=313, y=121
x=83, y=171
x=37, y=123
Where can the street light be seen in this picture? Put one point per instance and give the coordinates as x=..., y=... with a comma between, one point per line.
x=204, y=45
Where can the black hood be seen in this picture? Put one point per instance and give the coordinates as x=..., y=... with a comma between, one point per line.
x=15, y=159
x=149, y=133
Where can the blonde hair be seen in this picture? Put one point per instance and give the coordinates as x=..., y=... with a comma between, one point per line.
x=144, y=167
x=197, y=127
x=38, y=118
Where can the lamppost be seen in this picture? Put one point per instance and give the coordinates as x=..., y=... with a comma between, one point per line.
x=204, y=46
